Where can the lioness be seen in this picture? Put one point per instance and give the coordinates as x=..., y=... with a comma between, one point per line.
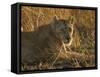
x=43, y=44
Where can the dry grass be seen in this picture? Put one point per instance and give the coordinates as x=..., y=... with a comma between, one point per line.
x=83, y=45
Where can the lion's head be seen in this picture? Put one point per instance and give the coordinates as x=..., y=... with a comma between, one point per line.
x=63, y=29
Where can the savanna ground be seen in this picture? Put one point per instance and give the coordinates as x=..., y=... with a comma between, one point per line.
x=83, y=45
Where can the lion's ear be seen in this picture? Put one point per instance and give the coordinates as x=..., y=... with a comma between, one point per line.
x=71, y=20
x=55, y=18
x=54, y=21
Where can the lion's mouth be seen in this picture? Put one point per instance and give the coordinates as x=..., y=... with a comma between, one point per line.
x=66, y=41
